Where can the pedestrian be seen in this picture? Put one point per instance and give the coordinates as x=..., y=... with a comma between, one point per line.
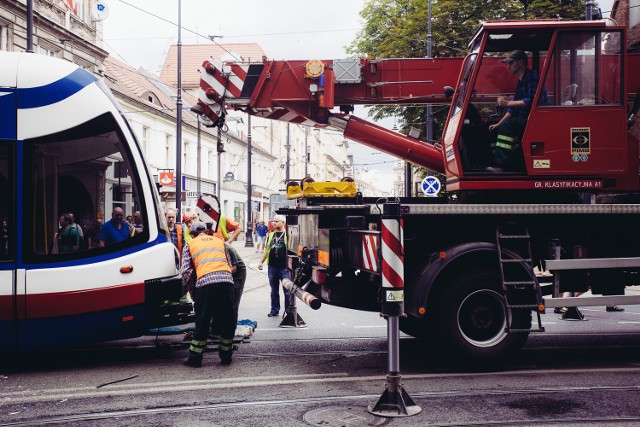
x=176, y=233
x=275, y=254
x=68, y=237
x=137, y=222
x=261, y=230
x=82, y=245
x=115, y=230
x=206, y=273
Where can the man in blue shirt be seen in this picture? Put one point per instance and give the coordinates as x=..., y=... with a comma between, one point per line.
x=511, y=126
x=115, y=230
x=262, y=229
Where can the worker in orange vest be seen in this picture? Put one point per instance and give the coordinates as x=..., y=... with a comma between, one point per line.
x=176, y=234
x=206, y=273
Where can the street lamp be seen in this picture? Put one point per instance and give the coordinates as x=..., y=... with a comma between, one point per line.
x=249, y=240
x=179, y=118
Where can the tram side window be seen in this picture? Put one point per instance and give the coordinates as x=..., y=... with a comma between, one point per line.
x=585, y=69
x=6, y=203
x=77, y=182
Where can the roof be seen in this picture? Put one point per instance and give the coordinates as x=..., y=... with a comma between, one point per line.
x=194, y=54
x=141, y=86
x=131, y=83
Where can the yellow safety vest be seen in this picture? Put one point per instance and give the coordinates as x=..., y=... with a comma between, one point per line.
x=222, y=228
x=208, y=255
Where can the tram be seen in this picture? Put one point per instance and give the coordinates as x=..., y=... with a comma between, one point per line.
x=65, y=147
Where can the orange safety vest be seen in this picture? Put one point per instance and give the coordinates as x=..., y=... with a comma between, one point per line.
x=179, y=232
x=208, y=255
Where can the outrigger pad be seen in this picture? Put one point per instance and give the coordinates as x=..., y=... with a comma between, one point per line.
x=573, y=313
x=292, y=320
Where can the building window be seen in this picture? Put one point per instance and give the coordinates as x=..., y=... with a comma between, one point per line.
x=4, y=37
x=144, y=143
x=45, y=51
x=169, y=159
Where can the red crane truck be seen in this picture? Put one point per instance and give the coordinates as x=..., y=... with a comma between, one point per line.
x=470, y=261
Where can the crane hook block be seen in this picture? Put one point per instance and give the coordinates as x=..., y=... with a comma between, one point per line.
x=313, y=69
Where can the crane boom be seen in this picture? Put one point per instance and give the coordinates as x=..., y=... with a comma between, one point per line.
x=586, y=81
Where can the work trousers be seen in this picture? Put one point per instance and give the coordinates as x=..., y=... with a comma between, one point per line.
x=238, y=287
x=212, y=301
x=275, y=275
x=509, y=134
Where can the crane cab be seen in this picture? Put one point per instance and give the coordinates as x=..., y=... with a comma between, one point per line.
x=574, y=134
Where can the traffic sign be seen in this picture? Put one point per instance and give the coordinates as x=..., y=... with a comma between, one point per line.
x=208, y=210
x=431, y=186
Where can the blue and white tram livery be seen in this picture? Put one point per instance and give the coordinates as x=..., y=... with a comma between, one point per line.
x=66, y=148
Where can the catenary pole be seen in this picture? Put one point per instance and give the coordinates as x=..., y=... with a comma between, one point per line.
x=179, y=119
x=249, y=240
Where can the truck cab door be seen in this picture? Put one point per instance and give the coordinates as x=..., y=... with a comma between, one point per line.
x=576, y=130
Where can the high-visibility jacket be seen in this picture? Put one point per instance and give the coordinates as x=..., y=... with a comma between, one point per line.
x=208, y=255
x=179, y=233
x=267, y=247
x=222, y=225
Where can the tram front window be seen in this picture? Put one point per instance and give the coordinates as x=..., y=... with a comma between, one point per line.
x=74, y=181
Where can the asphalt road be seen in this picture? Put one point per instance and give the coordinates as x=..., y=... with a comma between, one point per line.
x=577, y=373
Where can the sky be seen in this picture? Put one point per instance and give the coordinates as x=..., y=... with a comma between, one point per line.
x=139, y=32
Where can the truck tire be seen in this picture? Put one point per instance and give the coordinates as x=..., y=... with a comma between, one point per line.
x=471, y=316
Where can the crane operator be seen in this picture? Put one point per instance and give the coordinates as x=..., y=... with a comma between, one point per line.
x=512, y=125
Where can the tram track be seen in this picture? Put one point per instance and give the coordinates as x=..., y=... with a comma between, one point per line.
x=423, y=396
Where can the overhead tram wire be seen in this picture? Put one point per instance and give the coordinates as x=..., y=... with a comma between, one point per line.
x=175, y=25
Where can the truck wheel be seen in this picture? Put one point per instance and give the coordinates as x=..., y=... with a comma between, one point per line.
x=471, y=317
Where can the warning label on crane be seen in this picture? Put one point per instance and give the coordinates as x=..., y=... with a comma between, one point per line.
x=395, y=296
x=580, y=140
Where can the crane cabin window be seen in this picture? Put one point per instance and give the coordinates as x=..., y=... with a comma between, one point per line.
x=86, y=172
x=585, y=69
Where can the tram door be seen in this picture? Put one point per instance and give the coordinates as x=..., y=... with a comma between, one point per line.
x=8, y=303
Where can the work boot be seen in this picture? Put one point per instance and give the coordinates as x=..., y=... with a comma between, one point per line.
x=226, y=357
x=194, y=362
x=225, y=350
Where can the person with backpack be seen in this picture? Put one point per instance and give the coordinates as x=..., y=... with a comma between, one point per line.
x=68, y=236
x=275, y=254
x=82, y=245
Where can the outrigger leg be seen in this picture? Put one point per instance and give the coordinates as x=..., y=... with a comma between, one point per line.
x=395, y=401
